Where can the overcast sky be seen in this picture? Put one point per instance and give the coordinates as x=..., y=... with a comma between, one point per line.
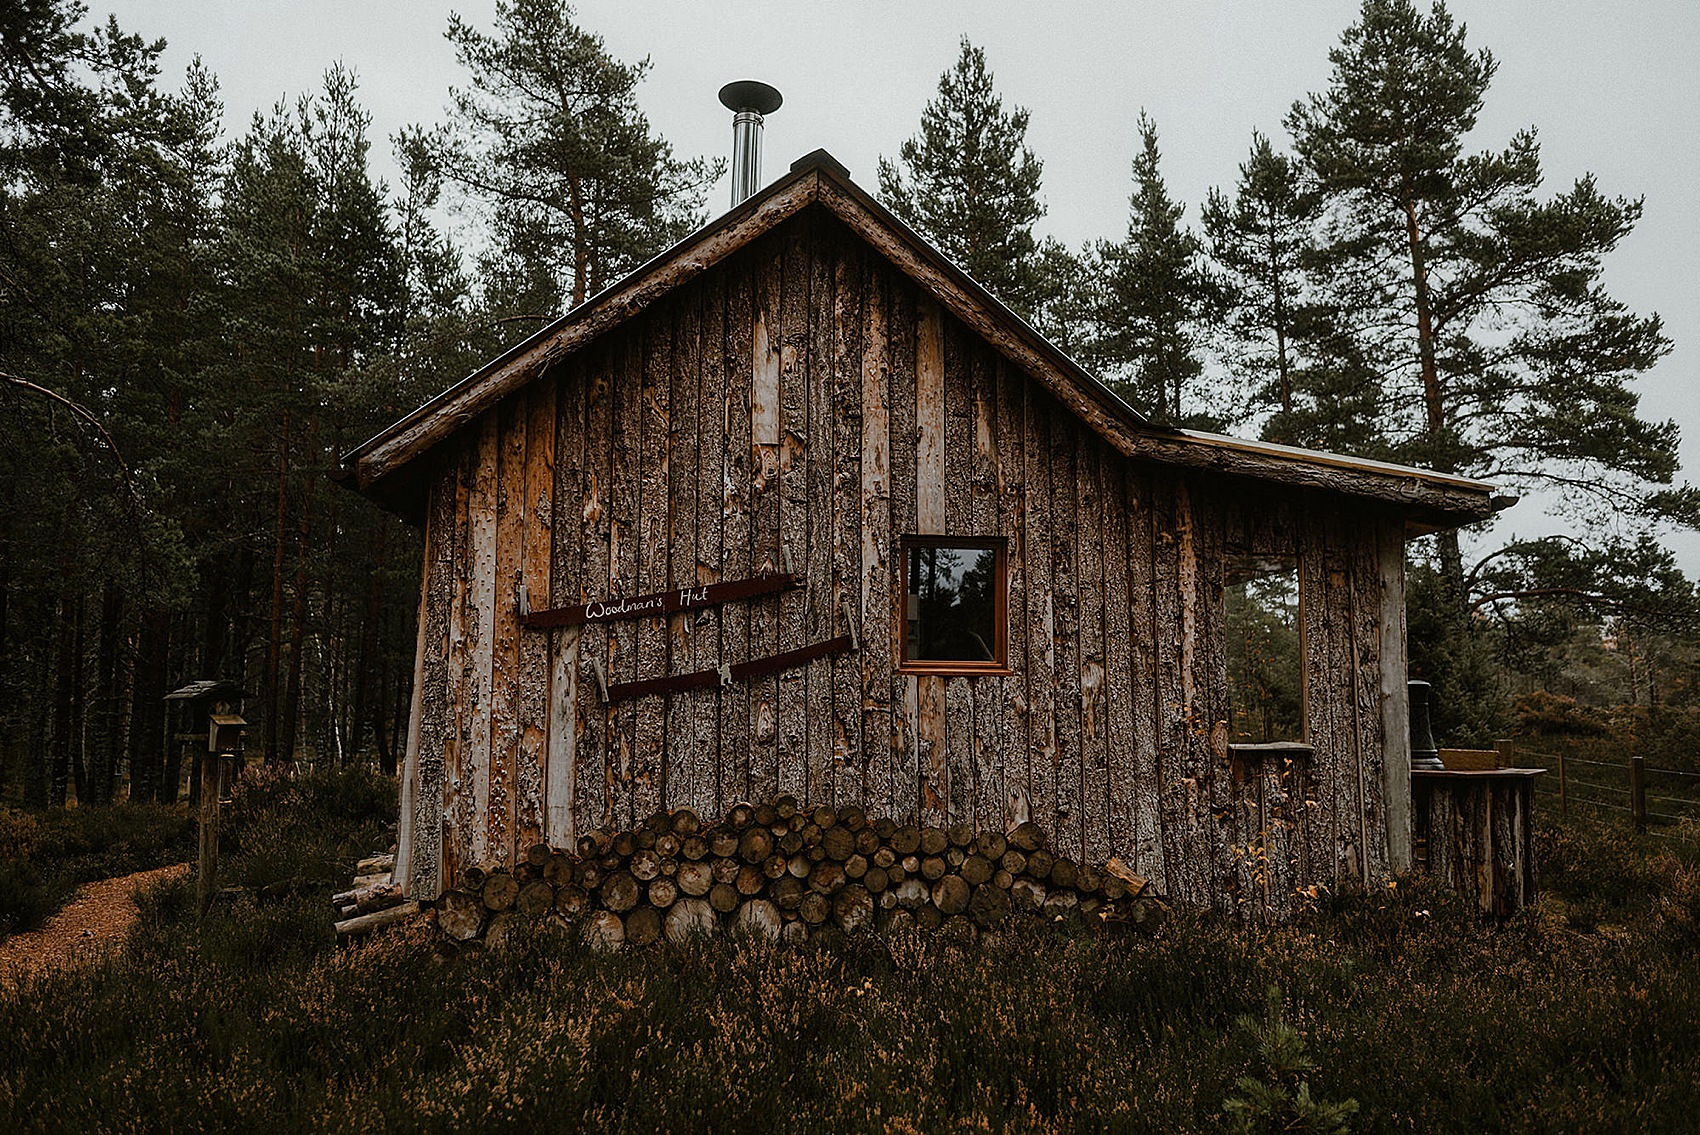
x=1611, y=87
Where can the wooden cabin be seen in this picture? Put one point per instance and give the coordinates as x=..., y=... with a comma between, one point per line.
x=684, y=546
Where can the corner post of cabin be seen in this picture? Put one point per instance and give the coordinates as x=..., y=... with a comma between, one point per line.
x=1395, y=697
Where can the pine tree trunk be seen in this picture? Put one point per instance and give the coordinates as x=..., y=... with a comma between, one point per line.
x=103, y=760
x=367, y=687
x=291, y=720
x=1435, y=409
x=171, y=768
x=35, y=751
x=67, y=675
x=11, y=716
x=1278, y=297
x=274, y=643
x=147, y=732
x=581, y=240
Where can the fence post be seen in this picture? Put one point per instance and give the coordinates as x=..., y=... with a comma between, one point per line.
x=1563, y=788
x=207, y=868
x=1637, y=794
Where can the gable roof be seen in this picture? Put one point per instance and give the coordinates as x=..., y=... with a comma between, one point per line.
x=384, y=467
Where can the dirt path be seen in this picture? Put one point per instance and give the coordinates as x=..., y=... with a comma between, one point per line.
x=91, y=924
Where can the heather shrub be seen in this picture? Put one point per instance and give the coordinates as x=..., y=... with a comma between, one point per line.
x=45, y=856
x=1569, y=1017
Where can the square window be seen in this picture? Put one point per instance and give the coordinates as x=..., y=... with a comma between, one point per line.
x=955, y=604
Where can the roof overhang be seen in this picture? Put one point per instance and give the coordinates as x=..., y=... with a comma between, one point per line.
x=386, y=466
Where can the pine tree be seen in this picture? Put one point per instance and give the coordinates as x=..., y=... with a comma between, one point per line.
x=1155, y=298
x=1497, y=350
x=89, y=165
x=969, y=184
x=549, y=139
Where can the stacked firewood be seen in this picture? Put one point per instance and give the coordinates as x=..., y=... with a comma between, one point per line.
x=779, y=871
x=374, y=901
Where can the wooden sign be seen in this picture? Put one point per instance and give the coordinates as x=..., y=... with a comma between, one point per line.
x=657, y=603
x=725, y=675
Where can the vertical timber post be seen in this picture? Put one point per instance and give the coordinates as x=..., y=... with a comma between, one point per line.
x=1563, y=789
x=1638, y=793
x=207, y=867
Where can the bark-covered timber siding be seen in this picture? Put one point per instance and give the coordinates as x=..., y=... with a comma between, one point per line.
x=803, y=405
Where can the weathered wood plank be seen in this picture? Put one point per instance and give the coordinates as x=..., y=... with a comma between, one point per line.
x=930, y=510
x=1151, y=808
x=481, y=635
x=929, y=418
x=1119, y=736
x=955, y=422
x=905, y=691
x=1038, y=795
x=601, y=789
x=653, y=780
x=764, y=510
x=457, y=802
x=537, y=514
x=1340, y=681
x=1178, y=785
x=1010, y=456
x=624, y=537
x=820, y=590
x=1364, y=580
x=669, y=506
x=636, y=798
x=1209, y=731
x=1322, y=861
x=738, y=473
x=709, y=524
x=794, y=461
x=845, y=415
x=983, y=520
x=1092, y=674
x=566, y=572
x=425, y=867
x=958, y=745
x=509, y=566
x=880, y=571
x=958, y=491
x=1395, y=733
x=1069, y=828
x=405, y=818
x=907, y=803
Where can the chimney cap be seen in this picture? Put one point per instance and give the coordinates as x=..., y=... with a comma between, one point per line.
x=748, y=94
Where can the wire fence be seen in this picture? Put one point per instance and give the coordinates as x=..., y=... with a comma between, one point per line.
x=1662, y=802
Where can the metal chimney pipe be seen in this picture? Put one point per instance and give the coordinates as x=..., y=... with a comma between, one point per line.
x=748, y=101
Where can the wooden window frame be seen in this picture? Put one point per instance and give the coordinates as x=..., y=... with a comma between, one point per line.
x=1000, y=608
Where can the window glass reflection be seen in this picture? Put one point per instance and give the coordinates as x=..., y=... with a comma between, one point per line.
x=952, y=604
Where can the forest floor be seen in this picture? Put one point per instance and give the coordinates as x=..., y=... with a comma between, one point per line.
x=90, y=925
x=1575, y=1015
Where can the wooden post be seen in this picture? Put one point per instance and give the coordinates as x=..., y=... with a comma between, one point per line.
x=207, y=868
x=1637, y=794
x=1563, y=789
